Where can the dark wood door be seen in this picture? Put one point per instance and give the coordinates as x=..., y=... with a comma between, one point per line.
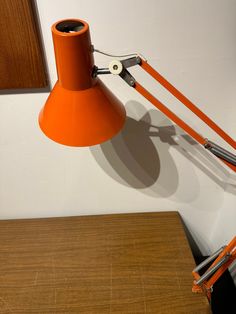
x=21, y=58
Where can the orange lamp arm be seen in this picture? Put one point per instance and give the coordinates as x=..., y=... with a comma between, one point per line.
x=200, y=139
x=175, y=92
x=224, y=257
x=172, y=116
x=119, y=67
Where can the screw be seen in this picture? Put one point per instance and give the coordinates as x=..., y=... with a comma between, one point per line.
x=115, y=66
x=131, y=82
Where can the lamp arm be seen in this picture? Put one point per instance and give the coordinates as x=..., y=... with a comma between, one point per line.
x=228, y=158
x=184, y=100
x=119, y=67
x=222, y=259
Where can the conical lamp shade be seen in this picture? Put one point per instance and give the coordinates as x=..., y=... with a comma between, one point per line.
x=80, y=110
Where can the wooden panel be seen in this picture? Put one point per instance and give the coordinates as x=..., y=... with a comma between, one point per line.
x=21, y=58
x=129, y=263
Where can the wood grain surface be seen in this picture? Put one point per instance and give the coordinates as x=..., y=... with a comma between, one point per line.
x=21, y=57
x=128, y=263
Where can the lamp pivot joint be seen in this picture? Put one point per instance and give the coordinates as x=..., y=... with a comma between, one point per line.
x=220, y=152
x=128, y=78
x=119, y=67
x=115, y=67
x=130, y=62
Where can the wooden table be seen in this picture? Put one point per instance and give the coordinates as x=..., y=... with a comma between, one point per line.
x=129, y=263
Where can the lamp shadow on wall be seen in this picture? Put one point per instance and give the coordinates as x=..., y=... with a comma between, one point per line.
x=132, y=158
x=140, y=155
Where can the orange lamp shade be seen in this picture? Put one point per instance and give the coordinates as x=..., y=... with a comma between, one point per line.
x=80, y=110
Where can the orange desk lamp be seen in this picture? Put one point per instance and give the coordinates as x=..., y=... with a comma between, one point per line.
x=82, y=111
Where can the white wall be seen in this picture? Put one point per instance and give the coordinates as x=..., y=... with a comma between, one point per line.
x=193, y=44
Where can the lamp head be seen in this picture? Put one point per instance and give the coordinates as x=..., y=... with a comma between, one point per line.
x=80, y=110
